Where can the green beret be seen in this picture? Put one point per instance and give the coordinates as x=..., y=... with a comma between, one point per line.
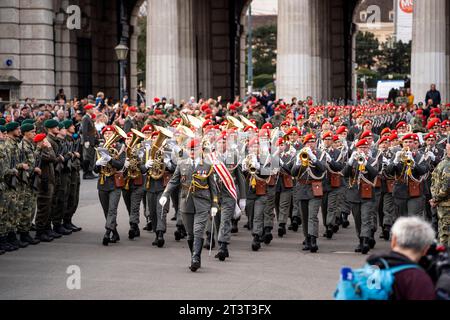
x=61, y=125
x=51, y=123
x=27, y=127
x=2, y=128
x=2, y=121
x=11, y=126
x=171, y=110
x=67, y=123
x=30, y=121
x=150, y=113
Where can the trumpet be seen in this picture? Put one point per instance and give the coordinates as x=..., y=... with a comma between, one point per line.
x=249, y=163
x=304, y=157
x=360, y=159
x=406, y=157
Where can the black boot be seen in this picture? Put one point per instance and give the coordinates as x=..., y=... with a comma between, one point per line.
x=148, y=227
x=52, y=234
x=42, y=236
x=183, y=232
x=282, y=230
x=314, y=247
x=61, y=230
x=134, y=231
x=196, y=256
x=89, y=176
x=372, y=241
x=115, y=236
x=25, y=237
x=12, y=239
x=386, y=232
x=70, y=226
x=159, y=239
x=33, y=227
x=365, y=247
x=295, y=224
x=345, y=222
x=336, y=228
x=106, y=237
x=256, y=243
x=223, y=251
x=329, y=232
x=234, y=226
x=268, y=237
x=5, y=246
x=359, y=246
x=307, y=244
x=191, y=246
x=177, y=234
x=208, y=241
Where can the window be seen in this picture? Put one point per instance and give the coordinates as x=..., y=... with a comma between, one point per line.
x=84, y=67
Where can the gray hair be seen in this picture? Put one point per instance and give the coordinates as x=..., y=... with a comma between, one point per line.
x=413, y=233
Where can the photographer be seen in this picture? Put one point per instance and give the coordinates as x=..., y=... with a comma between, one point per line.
x=411, y=240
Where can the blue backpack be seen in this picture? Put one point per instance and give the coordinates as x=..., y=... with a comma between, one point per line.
x=369, y=282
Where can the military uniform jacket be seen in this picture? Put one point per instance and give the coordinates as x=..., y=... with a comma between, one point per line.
x=157, y=186
x=88, y=131
x=12, y=156
x=3, y=165
x=334, y=166
x=48, y=160
x=440, y=186
x=353, y=193
x=304, y=178
x=400, y=186
x=199, y=192
x=288, y=161
x=28, y=149
x=74, y=146
x=116, y=164
x=130, y=123
x=238, y=177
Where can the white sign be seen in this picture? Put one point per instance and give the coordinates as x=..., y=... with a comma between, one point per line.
x=383, y=88
x=404, y=20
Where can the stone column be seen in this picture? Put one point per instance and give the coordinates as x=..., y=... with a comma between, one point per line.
x=202, y=9
x=186, y=46
x=162, y=50
x=326, y=49
x=429, y=48
x=10, y=38
x=293, y=49
x=37, y=50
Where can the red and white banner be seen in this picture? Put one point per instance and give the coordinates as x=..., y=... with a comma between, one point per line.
x=224, y=174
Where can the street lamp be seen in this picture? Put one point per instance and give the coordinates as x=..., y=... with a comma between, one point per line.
x=122, y=54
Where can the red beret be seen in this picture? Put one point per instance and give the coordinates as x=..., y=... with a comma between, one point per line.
x=285, y=123
x=292, y=130
x=253, y=121
x=250, y=128
x=88, y=106
x=430, y=135
x=130, y=134
x=264, y=133
x=204, y=107
x=411, y=136
x=208, y=116
x=436, y=110
x=194, y=143
x=39, y=137
x=175, y=122
x=132, y=109
x=154, y=133
x=108, y=128
x=237, y=104
x=366, y=134
x=400, y=124
x=267, y=126
x=362, y=142
x=146, y=128
x=335, y=138
x=325, y=120
x=420, y=111
x=277, y=109
x=250, y=110
x=367, y=122
x=327, y=135
x=384, y=139
x=158, y=112
x=309, y=137
x=386, y=131
x=279, y=142
x=207, y=123
x=300, y=117
x=393, y=136
x=336, y=119
x=433, y=123
x=341, y=130
x=208, y=111
x=156, y=100
x=224, y=123
x=445, y=123
x=232, y=108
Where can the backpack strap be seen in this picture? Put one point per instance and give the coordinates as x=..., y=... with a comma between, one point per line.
x=403, y=267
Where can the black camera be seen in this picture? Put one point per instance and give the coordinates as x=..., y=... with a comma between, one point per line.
x=437, y=265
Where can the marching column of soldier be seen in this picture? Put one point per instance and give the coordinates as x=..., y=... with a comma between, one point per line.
x=214, y=162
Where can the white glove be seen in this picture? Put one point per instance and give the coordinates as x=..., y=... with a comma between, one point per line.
x=237, y=212
x=167, y=162
x=431, y=155
x=385, y=161
x=352, y=158
x=311, y=155
x=398, y=157
x=126, y=164
x=149, y=164
x=242, y=204
x=327, y=157
x=101, y=162
x=163, y=201
x=87, y=144
x=107, y=158
x=176, y=149
x=213, y=212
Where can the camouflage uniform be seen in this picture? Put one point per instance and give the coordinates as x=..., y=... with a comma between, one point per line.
x=27, y=194
x=11, y=195
x=3, y=167
x=440, y=186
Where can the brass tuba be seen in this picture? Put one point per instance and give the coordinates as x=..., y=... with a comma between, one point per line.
x=157, y=154
x=108, y=170
x=133, y=170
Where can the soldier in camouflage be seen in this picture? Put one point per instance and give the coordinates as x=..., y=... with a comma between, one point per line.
x=440, y=190
x=3, y=244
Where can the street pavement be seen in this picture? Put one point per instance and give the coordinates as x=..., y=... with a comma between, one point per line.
x=136, y=270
